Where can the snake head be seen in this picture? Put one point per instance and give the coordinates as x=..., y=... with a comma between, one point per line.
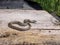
x=33, y=21
x=29, y=21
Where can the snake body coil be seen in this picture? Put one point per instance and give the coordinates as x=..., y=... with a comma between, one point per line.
x=25, y=23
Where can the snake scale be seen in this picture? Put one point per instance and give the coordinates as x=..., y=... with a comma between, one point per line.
x=26, y=22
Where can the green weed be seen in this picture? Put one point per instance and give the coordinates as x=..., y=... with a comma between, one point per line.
x=50, y=5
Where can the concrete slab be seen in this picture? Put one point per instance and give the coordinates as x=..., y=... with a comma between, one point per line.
x=43, y=18
x=33, y=36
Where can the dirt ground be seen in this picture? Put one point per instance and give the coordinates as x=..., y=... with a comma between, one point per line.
x=30, y=37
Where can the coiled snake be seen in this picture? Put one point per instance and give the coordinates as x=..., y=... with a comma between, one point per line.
x=26, y=22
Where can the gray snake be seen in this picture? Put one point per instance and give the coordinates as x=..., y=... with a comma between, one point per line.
x=26, y=22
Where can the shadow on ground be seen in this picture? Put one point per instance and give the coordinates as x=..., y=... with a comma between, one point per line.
x=34, y=5
x=55, y=16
